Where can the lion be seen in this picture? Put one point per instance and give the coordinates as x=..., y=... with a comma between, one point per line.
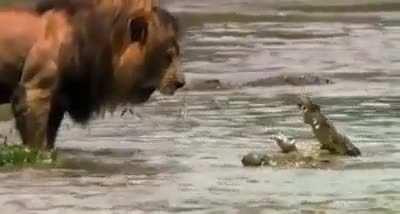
x=76, y=60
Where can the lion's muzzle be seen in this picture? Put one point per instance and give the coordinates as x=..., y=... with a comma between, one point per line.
x=172, y=82
x=172, y=88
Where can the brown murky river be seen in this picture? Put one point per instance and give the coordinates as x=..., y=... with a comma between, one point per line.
x=182, y=154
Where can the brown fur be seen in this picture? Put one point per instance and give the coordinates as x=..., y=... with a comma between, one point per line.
x=110, y=52
x=21, y=31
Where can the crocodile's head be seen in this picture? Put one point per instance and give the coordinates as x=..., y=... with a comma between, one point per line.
x=311, y=112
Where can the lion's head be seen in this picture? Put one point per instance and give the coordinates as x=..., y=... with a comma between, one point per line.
x=144, y=46
x=146, y=52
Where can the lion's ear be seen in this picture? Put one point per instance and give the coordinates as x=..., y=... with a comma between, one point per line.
x=138, y=30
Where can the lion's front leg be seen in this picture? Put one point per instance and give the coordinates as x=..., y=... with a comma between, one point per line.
x=33, y=100
x=31, y=107
x=56, y=116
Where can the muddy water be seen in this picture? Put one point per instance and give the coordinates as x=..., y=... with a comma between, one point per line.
x=182, y=154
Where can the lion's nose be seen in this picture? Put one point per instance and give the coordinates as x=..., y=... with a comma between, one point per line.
x=179, y=84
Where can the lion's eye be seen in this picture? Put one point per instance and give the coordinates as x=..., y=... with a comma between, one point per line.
x=169, y=56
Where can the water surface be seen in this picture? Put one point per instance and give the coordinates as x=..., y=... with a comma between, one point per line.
x=182, y=154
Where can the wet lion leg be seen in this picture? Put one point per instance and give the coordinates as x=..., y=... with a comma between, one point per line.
x=31, y=107
x=19, y=108
x=55, y=118
x=33, y=99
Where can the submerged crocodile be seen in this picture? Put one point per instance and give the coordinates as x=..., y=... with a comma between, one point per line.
x=292, y=79
x=292, y=160
x=324, y=130
x=290, y=157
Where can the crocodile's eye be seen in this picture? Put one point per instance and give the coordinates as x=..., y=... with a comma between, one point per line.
x=301, y=107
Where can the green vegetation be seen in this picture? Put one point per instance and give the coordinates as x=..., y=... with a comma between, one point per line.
x=19, y=156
